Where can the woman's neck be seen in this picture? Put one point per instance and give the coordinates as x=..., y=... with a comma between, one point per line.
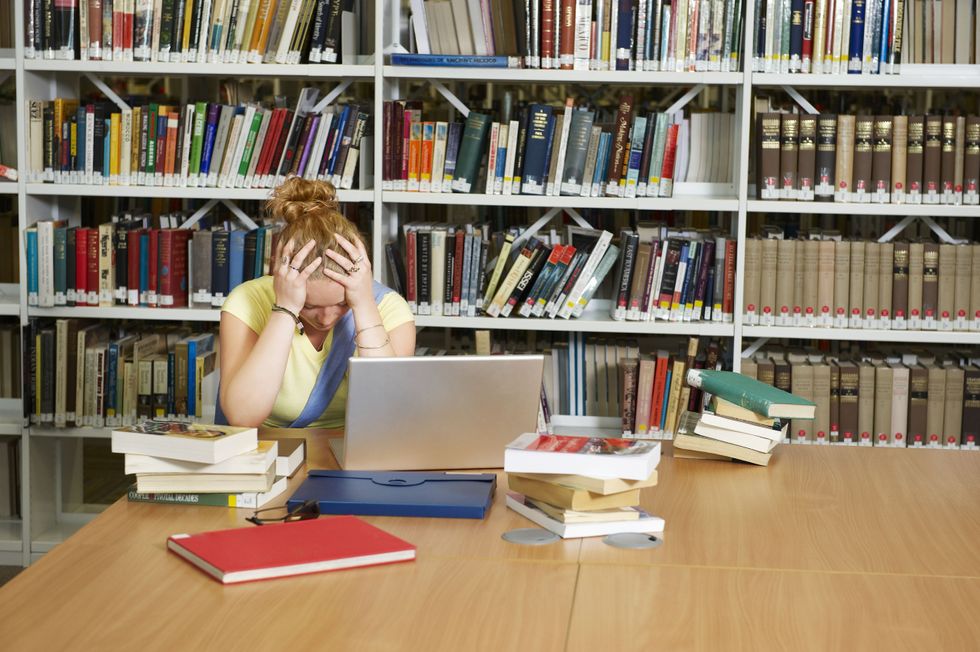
x=316, y=337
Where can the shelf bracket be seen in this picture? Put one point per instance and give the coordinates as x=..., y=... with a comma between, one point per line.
x=799, y=99
x=210, y=204
x=684, y=99
x=108, y=92
x=451, y=97
x=395, y=48
x=751, y=349
x=331, y=96
x=940, y=232
x=578, y=219
x=538, y=224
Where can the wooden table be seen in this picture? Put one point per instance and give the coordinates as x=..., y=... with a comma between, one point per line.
x=828, y=548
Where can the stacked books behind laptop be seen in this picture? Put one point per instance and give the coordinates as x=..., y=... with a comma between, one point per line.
x=745, y=419
x=177, y=462
x=582, y=486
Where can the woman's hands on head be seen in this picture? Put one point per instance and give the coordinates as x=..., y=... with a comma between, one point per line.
x=289, y=281
x=357, y=282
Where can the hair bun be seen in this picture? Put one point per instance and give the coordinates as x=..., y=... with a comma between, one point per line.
x=297, y=199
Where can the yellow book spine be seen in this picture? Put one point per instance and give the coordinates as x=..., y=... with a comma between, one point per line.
x=114, y=146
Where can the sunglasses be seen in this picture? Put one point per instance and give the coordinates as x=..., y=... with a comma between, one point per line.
x=308, y=510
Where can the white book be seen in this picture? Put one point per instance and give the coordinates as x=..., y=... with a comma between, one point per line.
x=461, y=18
x=204, y=36
x=164, y=439
x=553, y=186
x=233, y=137
x=475, y=15
x=438, y=276
x=534, y=453
x=419, y=26
x=512, y=134
x=126, y=146
x=565, y=311
x=319, y=143
x=492, y=157
x=288, y=28
x=89, y=147
x=45, y=264
x=255, y=461
x=583, y=34
x=237, y=55
x=438, y=156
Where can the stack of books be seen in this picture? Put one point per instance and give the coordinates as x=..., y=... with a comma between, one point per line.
x=181, y=463
x=744, y=420
x=582, y=486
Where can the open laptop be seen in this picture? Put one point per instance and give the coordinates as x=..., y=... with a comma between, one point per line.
x=444, y=412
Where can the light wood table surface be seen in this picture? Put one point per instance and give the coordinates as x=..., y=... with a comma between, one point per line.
x=828, y=548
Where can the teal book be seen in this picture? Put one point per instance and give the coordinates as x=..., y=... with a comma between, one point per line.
x=60, y=265
x=751, y=394
x=470, y=151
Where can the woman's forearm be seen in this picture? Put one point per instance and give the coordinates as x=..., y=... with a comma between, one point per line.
x=371, y=338
x=248, y=396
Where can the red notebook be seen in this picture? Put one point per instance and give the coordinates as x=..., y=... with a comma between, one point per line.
x=279, y=550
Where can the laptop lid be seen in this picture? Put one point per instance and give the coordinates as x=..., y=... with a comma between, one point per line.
x=442, y=412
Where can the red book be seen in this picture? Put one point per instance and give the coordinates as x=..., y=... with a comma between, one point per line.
x=284, y=549
x=178, y=268
x=548, y=33
x=566, y=41
x=807, y=53
x=728, y=302
x=152, y=296
x=133, y=266
x=81, y=266
x=458, y=269
x=659, y=383
x=271, y=138
x=410, y=288
x=92, y=267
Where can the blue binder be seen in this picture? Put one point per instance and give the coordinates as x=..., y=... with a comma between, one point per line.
x=370, y=493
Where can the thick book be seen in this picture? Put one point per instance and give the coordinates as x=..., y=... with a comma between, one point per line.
x=774, y=433
x=205, y=482
x=570, y=498
x=601, y=486
x=255, y=461
x=285, y=549
x=737, y=437
x=752, y=394
x=182, y=441
x=645, y=523
x=241, y=500
x=592, y=456
x=693, y=442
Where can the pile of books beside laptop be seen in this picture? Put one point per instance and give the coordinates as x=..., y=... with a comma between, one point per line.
x=582, y=486
x=744, y=420
x=193, y=464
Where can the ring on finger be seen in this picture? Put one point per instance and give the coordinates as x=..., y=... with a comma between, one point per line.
x=358, y=259
x=294, y=268
x=353, y=269
x=285, y=260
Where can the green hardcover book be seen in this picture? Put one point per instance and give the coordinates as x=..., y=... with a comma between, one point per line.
x=249, y=147
x=247, y=500
x=470, y=151
x=151, y=141
x=751, y=394
x=197, y=140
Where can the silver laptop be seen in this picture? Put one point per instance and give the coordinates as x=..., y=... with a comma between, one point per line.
x=444, y=412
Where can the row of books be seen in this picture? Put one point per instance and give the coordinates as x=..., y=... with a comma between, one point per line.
x=862, y=37
x=569, y=151
x=193, y=31
x=196, y=464
x=649, y=35
x=9, y=248
x=891, y=398
x=201, y=144
x=675, y=275
x=84, y=374
x=10, y=375
x=10, y=478
x=858, y=284
x=912, y=159
x=450, y=271
x=129, y=263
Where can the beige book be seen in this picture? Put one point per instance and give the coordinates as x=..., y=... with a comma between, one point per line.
x=845, y=157
x=900, y=141
x=674, y=396
x=855, y=296
x=749, y=368
x=766, y=371
x=825, y=282
x=697, y=443
x=936, y=406
x=962, y=286
x=872, y=267
x=974, y=313
x=866, y=402
x=799, y=281
x=953, y=406
x=821, y=396
x=916, y=255
x=698, y=455
x=842, y=282
x=900, y=405
x=725, y=408
x=767, y=282
x=883, y=405
x=750, y=294
x=947, y=32
x=569, y=498
x=592, y=516
x=802, y=386
x=593, y=486
x=811, y=281
x=947, y=281
x=886, y=263
x=785, y=279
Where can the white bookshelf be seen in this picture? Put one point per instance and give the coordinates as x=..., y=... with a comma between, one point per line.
x=8, y=188
x=8, y=63
x=863, y=335
x=124, y=312
x=847, y=208
x=527, y=76
x=676, y=203
x=243, y=70
x=589, y=322
x=911, y=76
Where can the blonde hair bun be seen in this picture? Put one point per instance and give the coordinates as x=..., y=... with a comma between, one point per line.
x=297, y=199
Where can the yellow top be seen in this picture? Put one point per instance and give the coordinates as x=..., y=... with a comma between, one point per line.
x=252, y=303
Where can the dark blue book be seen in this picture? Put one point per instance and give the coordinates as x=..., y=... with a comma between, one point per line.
x=144, y=267
x=248, y=259
x=80, y=139
x=236, y=259
x=197, y=345
x=171, y=382
x=258, y=267
x=455, y=135
x=880, y=23
x=111, y=409
x=624, y=37
x=536, y=151
x=451, y=60
x=796, y=36
x=882, y=36
x=549, y=141
x=70, y=266
x=219, y=266
x=760, y=43
x=210, y=129
x=856, y=46
x=339, y=136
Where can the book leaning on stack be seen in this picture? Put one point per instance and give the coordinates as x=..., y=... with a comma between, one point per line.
x=745, y=419
x=180, y=463
x=582, y=486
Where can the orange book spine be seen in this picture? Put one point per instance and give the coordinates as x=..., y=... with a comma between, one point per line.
x=414, y=156
x=173, y=122
x=428, y=132
x=261, y=18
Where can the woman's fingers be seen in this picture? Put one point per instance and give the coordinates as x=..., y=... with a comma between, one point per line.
x=311, y=268
x=303, y=253
x=344, y=262
x=343, y=279
x=348, y=246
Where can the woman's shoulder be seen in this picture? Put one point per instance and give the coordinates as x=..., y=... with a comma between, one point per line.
x=251, y=301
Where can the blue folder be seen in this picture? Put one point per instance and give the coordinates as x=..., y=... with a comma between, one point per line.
x=375, y=493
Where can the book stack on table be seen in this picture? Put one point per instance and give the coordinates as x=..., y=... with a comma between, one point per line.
x=582, y=486
x=181, y=463
x=745, y=419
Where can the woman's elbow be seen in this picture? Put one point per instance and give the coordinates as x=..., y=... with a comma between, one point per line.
x=239, y=415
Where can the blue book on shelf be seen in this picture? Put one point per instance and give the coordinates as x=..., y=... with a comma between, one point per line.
x=80, y=139
x=451, y=60
x=171, y=382
x=236, y=259
x=856, y=46
x=210, y=129
x=111, y=409
x=196, y=345
x=144, y=267
x=536, y=150
x=32, y=285
x=106, y=149
x=398, y=493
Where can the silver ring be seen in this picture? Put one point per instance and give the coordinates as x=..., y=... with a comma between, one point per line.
x=359, y=259
x=285, y=260
x=355, y=268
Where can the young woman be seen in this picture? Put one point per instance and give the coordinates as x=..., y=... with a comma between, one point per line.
x=286, y=338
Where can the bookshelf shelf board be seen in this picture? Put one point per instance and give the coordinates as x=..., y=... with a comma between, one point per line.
x=9, y=309
x=912, y=76
x=81, y=190
x=588, y=323
x=245, y=70
x=8, y=63
x=8, y=187
x=10, y=536
x=10, y=429
x=863, y=335
x=532, y=76
x=70, y=433
x=127, y=312
x=844, y=208
x=679, y=203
